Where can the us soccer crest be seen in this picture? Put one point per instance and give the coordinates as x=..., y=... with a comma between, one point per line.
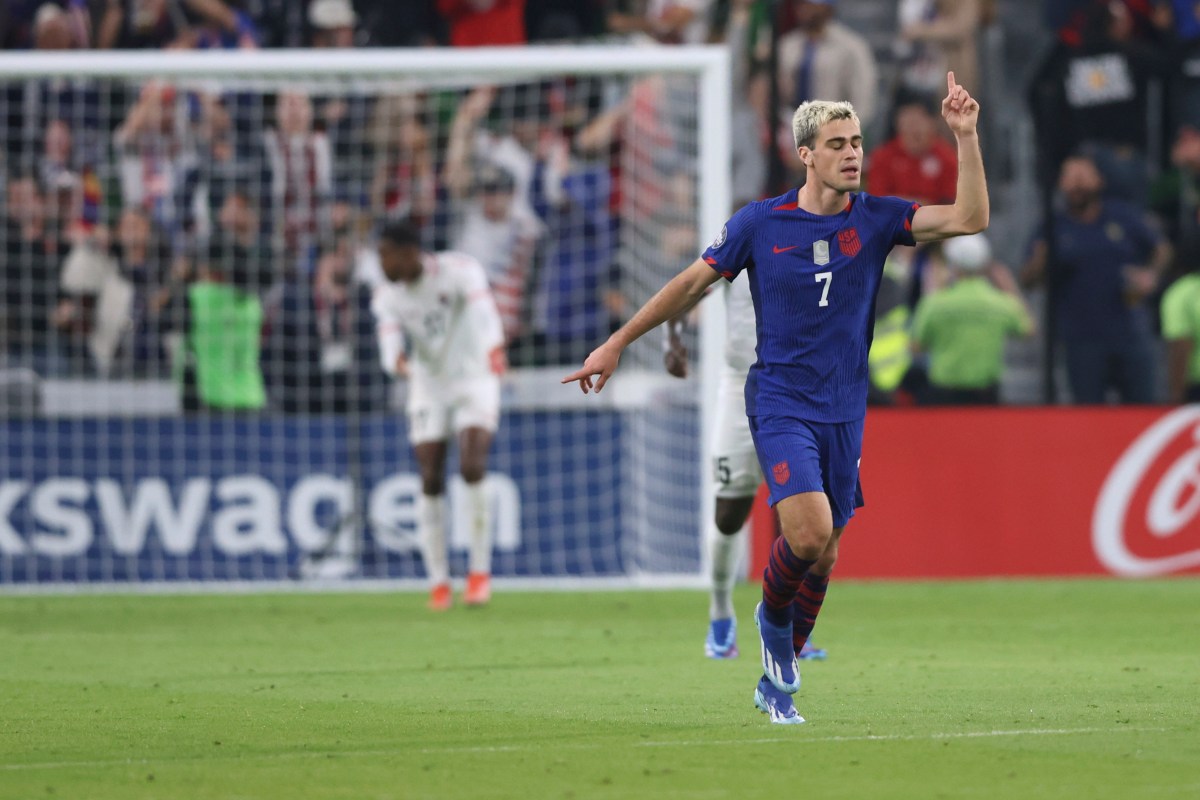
x=820, y=252
x=781, y=472
x=848, y=242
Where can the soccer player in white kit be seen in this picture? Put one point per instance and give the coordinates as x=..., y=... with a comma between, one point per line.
x=438, y=327
x=735, y=465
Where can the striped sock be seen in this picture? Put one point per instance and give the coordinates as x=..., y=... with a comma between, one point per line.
x=806, y=606
x=781, y=581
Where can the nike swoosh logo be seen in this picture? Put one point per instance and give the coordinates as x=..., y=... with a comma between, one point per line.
x=779, y=249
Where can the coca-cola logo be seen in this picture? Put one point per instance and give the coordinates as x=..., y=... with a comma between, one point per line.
x=1150, y=498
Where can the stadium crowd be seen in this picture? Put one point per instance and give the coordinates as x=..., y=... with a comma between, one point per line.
x=134, y=212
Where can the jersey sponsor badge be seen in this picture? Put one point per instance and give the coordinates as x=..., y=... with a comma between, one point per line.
x=848, y=242
x=721, y=237
x=820, y=252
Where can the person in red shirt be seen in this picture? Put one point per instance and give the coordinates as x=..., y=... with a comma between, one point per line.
x=474, y=23
x=916, y=164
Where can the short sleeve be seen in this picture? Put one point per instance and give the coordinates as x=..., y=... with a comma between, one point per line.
x=469, y=275
x=732, y=250
x=896, y=216
x=1175, y=303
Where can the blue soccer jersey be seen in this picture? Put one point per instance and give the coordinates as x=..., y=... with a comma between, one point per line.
x=813, y=279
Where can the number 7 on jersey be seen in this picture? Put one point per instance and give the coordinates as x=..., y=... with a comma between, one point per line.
x=827, y=277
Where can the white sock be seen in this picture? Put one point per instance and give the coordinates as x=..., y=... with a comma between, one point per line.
x=479, y=558
x=725, y=551
x=431, y=517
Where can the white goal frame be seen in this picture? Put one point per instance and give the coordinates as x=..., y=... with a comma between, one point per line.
x=709, y=64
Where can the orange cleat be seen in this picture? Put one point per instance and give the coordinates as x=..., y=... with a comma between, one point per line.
x=439, y=598
x=479, y=589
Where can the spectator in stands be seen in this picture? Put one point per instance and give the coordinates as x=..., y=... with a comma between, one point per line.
x=57, y=173
x=1108, y=260
x=820, y=59
x=218, y=316
x=32, y=258
x=159, y=164
x=419, y=26
x=916, y=164
x=28, y=107
x=751, y=87
x=229, y=158
x=937, y=36
x=144, y=260
x=577, y=258
x=1181, y=323
x=1175, y=195
x=52, y=29
x=137, y=24
x=890, y=357
x=332, y=23
x=157, y=24
x=343, y=112
x=404, y=182
x=963, y=327
x=240, y=233
x=300, y=160
x=521, y=125
x=1090, y=95
x=501, y=233
x=561, y=20
x=666, y=21
x=1070, y=19
x=474, y=23
x=95, y=309
x=320, y=349
x=280, y=23
x=1180, y=19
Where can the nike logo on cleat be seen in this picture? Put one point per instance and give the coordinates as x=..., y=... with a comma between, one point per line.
x=777, y=249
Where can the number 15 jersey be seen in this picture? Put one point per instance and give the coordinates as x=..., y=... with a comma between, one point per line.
x=813, y=279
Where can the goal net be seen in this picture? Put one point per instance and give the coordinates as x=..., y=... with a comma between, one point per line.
x=189, y=382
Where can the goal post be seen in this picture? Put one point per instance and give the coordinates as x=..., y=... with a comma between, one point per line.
x=596, y=171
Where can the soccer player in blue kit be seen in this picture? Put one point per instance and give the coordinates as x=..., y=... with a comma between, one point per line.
x=814, y=258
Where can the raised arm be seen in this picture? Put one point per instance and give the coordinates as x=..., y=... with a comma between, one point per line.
x=681, y=293
x=457, y=172
x=971, y=210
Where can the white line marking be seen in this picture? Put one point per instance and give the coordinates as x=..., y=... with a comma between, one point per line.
x=900, y=737
x=540, y=746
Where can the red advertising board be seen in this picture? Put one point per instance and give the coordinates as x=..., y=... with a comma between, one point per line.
x=1022, y=491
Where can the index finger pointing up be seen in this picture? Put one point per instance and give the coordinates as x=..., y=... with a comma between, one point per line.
x=950, y=82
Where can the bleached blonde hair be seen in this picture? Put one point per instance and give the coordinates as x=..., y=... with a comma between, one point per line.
x=810, y=116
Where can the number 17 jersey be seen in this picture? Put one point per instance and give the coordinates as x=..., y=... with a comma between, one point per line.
x=813, y=279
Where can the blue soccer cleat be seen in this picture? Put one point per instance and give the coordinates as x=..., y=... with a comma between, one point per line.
x=812, y=653
x=775, y=704
x=721, y=641
x=778, y=660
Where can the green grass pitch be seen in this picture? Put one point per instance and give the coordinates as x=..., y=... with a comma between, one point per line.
x=1015, y=689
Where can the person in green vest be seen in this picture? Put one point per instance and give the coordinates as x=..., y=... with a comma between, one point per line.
x=1181, y=323
x=963, y=327
x=220, y=317
x=890, y=356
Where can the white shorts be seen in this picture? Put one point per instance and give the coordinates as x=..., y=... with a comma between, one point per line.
x=435, y=410
x=735, y=463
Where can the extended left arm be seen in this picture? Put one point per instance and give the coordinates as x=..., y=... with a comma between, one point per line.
x=971, y=209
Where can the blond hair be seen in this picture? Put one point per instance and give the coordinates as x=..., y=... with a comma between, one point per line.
x=810, y=116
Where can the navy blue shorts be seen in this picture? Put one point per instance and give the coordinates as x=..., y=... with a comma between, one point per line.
x=800, y=456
